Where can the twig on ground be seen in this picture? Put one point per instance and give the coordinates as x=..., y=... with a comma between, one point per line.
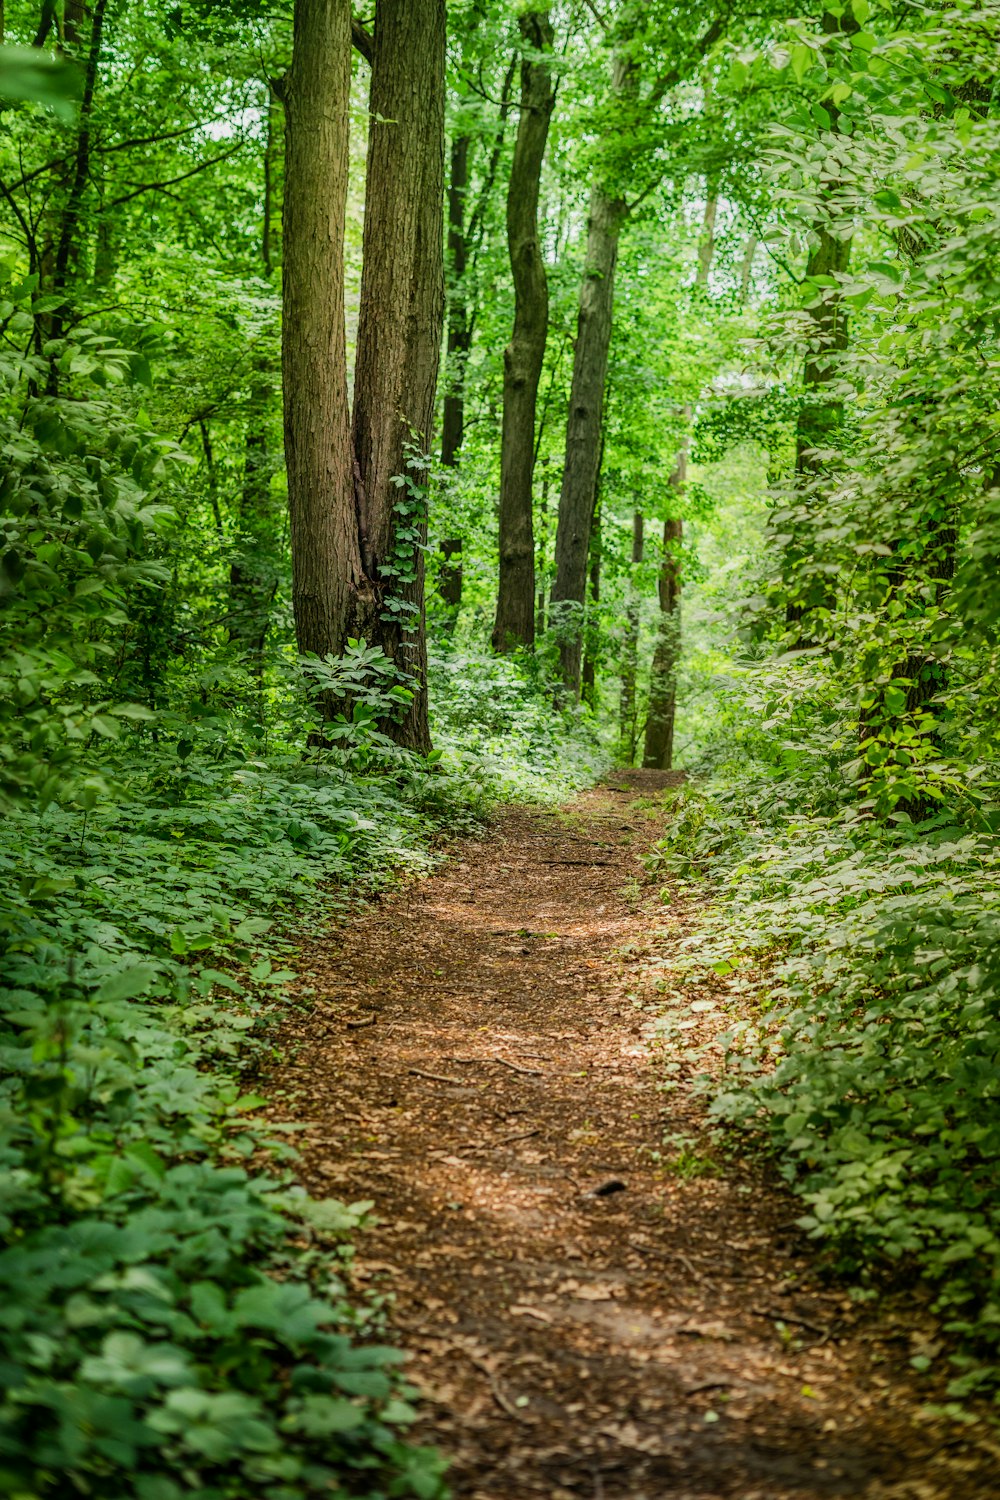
x=786, y=1317
x=587, y=862
x=504, y=1403
x=436, y=1077
x=516, y=1067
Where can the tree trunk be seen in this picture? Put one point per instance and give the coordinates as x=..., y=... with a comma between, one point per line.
x=399, y=337
x=253, y=577
x=591, y=640
x=59, y=259
x=525, y=354
x=453, y=424
x=628, y=717
x=658, y=753
x=541, y=569
x=706, y=247
x=327, y=571
x=820, y=417
x=746, y=266
x=465, y=237
x=583, y=427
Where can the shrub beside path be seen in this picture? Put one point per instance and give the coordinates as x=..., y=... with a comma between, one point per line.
x=595, y=1305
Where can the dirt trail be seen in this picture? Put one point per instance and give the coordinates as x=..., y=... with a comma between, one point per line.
x=585, y=1321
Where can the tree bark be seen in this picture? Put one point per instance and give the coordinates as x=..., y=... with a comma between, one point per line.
x=746, y=266
x=583, y=428
x=465, y=236
x=327, y=571
x=820, y=417
x=541, y=569
x=253, y=577
x=525, y=354
x=628, y=718
x=457, y=350
x=70, y=223
x=591, y=647
x=453, y=424
x=399, y=337
x=658, y=752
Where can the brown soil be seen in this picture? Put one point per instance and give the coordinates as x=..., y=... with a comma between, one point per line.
x=482, y=1061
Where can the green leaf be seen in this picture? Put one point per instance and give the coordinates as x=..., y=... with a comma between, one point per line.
x=126, y=984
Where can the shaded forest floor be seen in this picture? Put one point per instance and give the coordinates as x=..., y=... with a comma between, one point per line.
x=485, y=1059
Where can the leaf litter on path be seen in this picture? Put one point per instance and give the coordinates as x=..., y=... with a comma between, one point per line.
x=582, y=1319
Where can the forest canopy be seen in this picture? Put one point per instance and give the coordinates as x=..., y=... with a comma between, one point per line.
x=400, y=412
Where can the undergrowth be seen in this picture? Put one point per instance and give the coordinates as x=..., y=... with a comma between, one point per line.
x=862, y=958
x=174, y=1320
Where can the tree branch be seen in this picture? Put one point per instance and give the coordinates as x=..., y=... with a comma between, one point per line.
x=362, y=40
x=154, y=187
x=29, y=238
x=674, y=75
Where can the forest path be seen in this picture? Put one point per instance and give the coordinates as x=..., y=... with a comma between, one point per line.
x=484, y=1057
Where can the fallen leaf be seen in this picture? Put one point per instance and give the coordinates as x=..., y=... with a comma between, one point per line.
x=521, y=1310
x=598, y=1293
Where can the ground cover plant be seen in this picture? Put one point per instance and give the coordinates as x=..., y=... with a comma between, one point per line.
x=862, y=1042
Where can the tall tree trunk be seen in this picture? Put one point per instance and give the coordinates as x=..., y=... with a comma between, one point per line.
x=465, y=237
x=399, y=337
x=706, y=247
x=583, y=428
x=820, y=415
x=69, y=227
x=253, y=577
x=327, y=571
x=543, y=548
x=453, y=423
x=591, y=641
x=525, y=354
x=628, y=716
x=746, y=265
x=658, y=752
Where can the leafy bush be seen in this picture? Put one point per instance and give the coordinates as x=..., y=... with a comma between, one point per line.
x=175, y=1320
x=169, y=1310
x=870, y=1057
x=77, y=469
x=494, y=718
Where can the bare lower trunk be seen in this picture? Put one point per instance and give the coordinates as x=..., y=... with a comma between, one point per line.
x=399, y=337
x=628, y=725
x=583, y=430
x=453, y=422
x=746, y=266
x=327, y=572
x=658, y=752
x=583, y=427
x=821, y=414
x=541, y=570
x=253, y=576
x=591, y=648
x=523, y=358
